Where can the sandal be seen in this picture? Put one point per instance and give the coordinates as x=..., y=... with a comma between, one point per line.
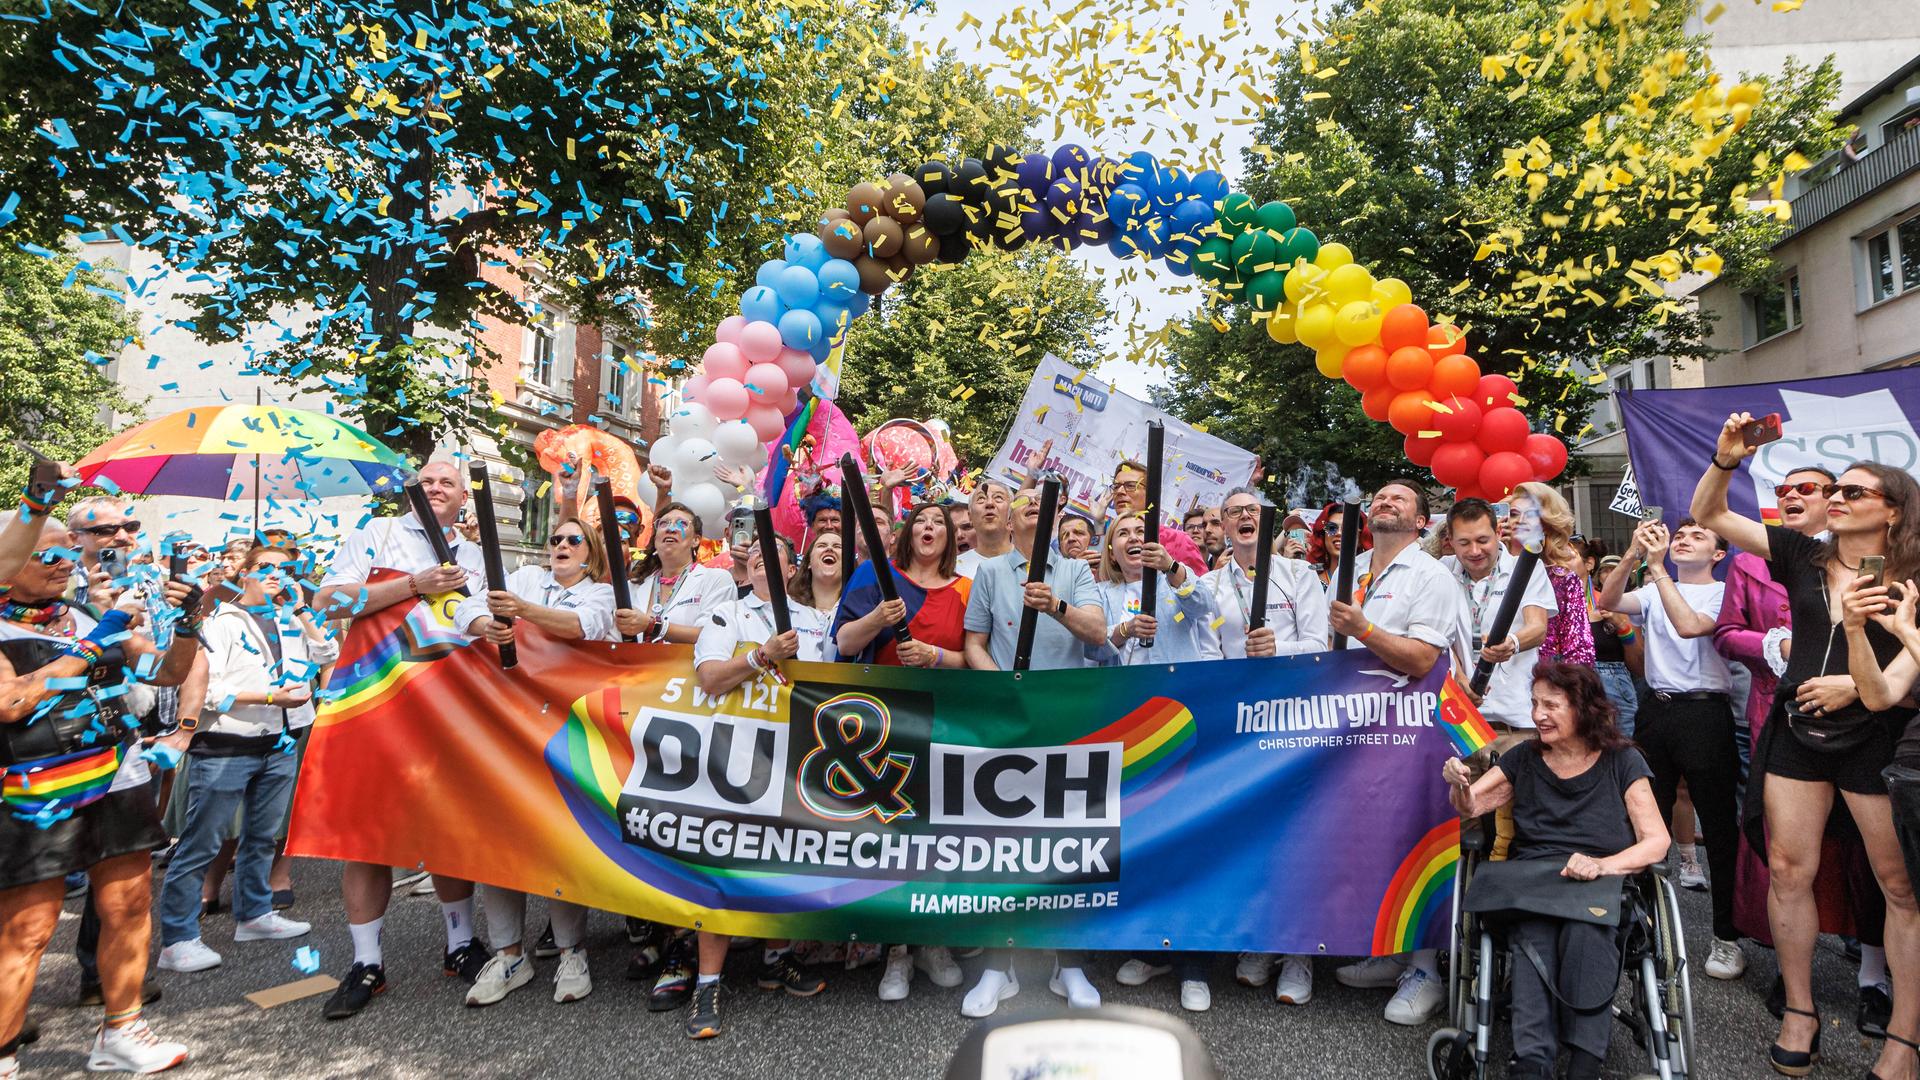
x=1915, y=1047
x=1798, y=1062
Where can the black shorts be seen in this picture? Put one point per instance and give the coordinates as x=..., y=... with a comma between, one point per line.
x=118, y=823
x=1856, y=770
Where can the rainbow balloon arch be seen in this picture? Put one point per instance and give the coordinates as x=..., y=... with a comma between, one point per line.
x=1412, y=374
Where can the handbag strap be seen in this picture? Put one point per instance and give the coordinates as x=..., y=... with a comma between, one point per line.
x=1539, y=965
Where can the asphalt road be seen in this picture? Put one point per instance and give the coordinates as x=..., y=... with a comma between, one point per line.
x=421, y=1027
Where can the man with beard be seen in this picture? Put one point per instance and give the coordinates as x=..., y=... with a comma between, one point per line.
x=988, y=525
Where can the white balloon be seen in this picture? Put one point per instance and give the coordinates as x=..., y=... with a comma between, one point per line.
x=739, y=444
x=708, y=503
x=664, y=451
x=693, y=421
x=649, y=494
x=694, y=460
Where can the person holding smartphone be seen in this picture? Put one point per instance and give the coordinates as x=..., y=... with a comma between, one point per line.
x=1836, y=719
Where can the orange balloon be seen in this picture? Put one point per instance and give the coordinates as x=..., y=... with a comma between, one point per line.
x=1455, y=376
x=1367, y=368
x=1444, y=340
x=1409, y=368
x=1403, y=326
x=1411, y=412
x=1377, y=401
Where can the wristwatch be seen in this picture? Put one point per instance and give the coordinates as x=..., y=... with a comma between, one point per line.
x=1060, y=609
x=189, y=723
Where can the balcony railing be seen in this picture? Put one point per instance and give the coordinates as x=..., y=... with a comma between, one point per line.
x=1894, y=159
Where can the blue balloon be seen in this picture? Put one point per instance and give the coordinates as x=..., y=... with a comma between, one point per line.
x=1063, y=197
x=830, y=313
x=1208, y=186
x=839, y=280
x=1036, y=172
x=1172, y=188
x=1141, y=170
x=800, y=330
x=806, y=249
x=1182, y=267
x=1102, y=176
x=1128, y=205
x=1093, y=228
x=862, y=303
x=1069, y=159
x=1190, y=218
x=1154, y=235
x=797, y=286
x=761, y=304
x=769, y=272
x=1036, y=225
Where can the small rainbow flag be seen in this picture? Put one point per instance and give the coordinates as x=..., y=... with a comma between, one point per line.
x=67, y=782
x=1460, y=718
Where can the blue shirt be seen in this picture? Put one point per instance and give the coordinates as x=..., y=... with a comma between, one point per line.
x=998, y=598
x=1185, y=620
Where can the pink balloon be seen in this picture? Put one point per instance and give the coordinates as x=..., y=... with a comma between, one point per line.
x=789, y=402
x=767, y=422
x=695, y=387
x=729, y=329
x=726, y=399
x=767, y=383
x=798, y=365
x=723, y=361
x=760, y=342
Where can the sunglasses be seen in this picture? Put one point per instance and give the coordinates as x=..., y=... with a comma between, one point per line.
x=569, y=539
x=1852, y=492
x=49, y=556
x=131, y=527
x=1804, y=487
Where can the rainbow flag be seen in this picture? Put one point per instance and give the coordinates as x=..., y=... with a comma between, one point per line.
x=1460, y=718
x=67, y=782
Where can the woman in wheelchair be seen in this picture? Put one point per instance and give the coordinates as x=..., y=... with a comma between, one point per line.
x=1582, y=798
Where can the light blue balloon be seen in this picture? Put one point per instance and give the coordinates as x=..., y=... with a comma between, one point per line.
x=839, y=280
x=797, y=286
x=761, y=304
x=821, y=349
x=805, y=249
x=862, y=303
x=830, y=314
x=769, y=273
x=800, y=330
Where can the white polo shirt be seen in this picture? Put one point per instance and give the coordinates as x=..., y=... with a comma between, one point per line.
x=1676, y=664
x=698, y=592
x=591, y=601
x=1296, y=608
x=1509, y=696
x=1412, y=596
x=399, y=543
x=749, y=621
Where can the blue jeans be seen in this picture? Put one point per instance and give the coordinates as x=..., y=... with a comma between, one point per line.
x=257, y=784
x=1620, y=690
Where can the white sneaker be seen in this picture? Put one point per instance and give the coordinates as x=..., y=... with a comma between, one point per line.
x=1071, y=983
x=1295, y=986
x=897, y=982
x=1691, y=876
x=423, y=887
x=184, y=956
x=1136, y=972
x=9, y=1068
x=133, y=1048
x=272, y=926
x=1254, y=969
x=1196, y=995
x=571, y=982
x=1373, y=973
x=1726, y=960
x=937, y=962
x=1420, y=996
x=993, y=988
x=502, y=976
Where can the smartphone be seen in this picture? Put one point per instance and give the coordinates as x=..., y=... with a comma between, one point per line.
x=1500, y=511
x=740, y=530
x=1762, y=431
x=1653, y=513
x=44, y=477
x=1875, y=567
x=1298, y=536
x=110, y=561
x=177, y=567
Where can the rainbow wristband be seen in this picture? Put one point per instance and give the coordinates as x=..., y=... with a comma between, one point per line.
x=34, y=506
x=1628, y=636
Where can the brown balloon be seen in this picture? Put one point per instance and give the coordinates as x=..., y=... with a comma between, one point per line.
x=833, y=213
x=920, y=247
x=863, y=202
x=843, y=238
x=905, y=199
x=884, y=237
x=899, y=269
x=873, y=275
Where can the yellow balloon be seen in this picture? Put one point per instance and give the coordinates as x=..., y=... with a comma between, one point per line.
x=1333, y=257
x=1314, y=327
x=1357, y=323
x=1281, y=326
x=1331, y=360
x=1303, y=279
x=1346, y=284
x=1391, y=292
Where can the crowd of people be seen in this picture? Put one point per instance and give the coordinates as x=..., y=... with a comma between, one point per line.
x=154, y=697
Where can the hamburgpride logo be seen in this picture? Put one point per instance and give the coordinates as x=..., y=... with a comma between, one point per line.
x=1833, y=432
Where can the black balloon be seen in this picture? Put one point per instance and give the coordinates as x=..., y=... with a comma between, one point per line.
x=1002, y=163
x=934, y=178
x=954, y=248
x=945, y=215
x=970, y=182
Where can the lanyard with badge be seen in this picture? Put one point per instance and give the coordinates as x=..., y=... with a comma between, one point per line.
x=1478, y=593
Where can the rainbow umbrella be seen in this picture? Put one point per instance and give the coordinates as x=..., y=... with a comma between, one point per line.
x=245, y=451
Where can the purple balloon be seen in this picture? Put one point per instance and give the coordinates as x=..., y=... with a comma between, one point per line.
x=1069, y=158
x=1063, y=197
x=1093, y=228
x=1036, y=224
x=1036, y=172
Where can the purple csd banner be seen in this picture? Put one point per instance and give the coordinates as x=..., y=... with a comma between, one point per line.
x=1830, y=422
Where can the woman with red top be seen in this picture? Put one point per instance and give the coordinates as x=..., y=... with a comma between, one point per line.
x=933, y=600
x=1323, y=543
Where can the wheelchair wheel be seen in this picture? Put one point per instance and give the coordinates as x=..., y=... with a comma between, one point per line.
x=1677, y=991
x=1450, y=1056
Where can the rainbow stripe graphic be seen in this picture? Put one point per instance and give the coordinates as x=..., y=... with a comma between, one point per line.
x=1420, y=892
x=67, y=782
x=1460, y=718
x=1159, y=738
x=376, y=676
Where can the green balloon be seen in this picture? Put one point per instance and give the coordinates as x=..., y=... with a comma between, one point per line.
x=1275, y=215
x=1301, y=244
x=1267, y=290
x=1214, y=260
x=1256, y=250
x=1236, y=212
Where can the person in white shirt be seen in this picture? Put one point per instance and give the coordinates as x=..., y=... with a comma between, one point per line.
x=1405, y=607
x=568, y=599
x=1483, y=570
x=385, y=562
x=991, y=527
x=673, y=595
x=1296, y=622
x=1685, y=726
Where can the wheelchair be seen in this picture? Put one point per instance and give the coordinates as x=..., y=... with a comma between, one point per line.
x=1658, y=1011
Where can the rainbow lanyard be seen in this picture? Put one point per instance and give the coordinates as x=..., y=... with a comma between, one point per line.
x=41, y=617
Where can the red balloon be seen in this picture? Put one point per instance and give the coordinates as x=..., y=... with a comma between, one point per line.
x=1460, y=422
x=1547, y=454
x=1502, y=472
x=1496, y=391
x=1468, y=491
x=1445, y=340
x=1377, y=401
x=1420, y=451
x=1365, y=367
x=1403, y=326
x=1503, y=430
x=1455, y=375
x=1411, y=411
x=1457, y=465
x=1410, y=368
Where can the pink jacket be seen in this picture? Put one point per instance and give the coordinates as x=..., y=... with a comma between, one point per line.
x=1754, y=604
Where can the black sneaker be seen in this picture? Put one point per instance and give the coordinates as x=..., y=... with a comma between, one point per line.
x=703, y=1018
x=644, y=962
x=674, y=984
x=785, y=974
x=467, y=960
x=639, y=930
x=546, y=948
x=90, y=993
x=356, y=991
x=1876, y=1009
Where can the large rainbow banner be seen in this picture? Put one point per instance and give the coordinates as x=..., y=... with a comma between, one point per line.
x=1285, y=805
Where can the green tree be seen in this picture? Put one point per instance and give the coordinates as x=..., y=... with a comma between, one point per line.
x=56, y=335
x=1393, y=137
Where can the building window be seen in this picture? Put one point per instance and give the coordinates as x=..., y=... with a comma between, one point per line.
x=536, y=513
x=540, y=355
x=1623, y=383
x=617, y=380
x=1646, y=375
x=1893, y=261
x=1774, y=309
